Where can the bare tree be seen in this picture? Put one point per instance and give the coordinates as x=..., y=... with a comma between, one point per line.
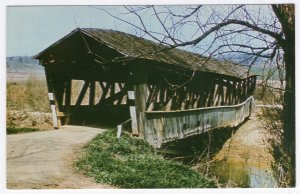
x=265, y=32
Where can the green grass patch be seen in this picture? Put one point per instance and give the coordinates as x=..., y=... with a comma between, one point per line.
x=14, y=130
x=132, y=163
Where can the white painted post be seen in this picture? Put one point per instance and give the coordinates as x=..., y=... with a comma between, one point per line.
x=132, y=110
x=119, y=131
x=53, y=110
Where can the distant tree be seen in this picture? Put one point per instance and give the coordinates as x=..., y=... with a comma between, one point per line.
x=259, y=32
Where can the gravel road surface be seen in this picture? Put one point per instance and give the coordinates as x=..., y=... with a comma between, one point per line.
x=43, y=160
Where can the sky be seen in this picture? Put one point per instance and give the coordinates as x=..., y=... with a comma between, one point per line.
x=30, y=29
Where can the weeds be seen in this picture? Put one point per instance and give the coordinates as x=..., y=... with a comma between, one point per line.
x=13, y=130
x=272, y=117
x=281, y=167
x=132, y=163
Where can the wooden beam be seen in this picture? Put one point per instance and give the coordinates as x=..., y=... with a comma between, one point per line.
x=152, y=98
x=115, y=97
x=104, y=90
x=68, y=96
x=140, y=92
x=101, y=85
x=223, y=96
x=92, y=93
x=82, y=93
x=112, y=89
x=68, y=85
x=120, y=85
x=211, y=95
x=52, y=98
x=58, y=86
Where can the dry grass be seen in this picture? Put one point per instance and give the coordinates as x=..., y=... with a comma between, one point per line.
x=272, y=119
x=29, y=95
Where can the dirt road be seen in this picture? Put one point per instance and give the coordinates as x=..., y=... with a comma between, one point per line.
x=43, y=160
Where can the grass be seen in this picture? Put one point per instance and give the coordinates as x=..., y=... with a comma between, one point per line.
x=14, y=130
x=132, y=163
x=29, y=95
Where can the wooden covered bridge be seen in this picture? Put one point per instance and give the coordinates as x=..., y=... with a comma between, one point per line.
x=165, y=94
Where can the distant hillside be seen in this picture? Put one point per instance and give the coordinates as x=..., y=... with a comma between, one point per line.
x=244, y=59
x=23, y=60
x=20, y=68
x=23, y=67
x=269, y=71
x=257, y=68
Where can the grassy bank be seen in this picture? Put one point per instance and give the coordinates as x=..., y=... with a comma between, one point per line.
x=132, y=163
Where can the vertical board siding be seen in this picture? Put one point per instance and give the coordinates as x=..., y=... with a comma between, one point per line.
x=162, y=126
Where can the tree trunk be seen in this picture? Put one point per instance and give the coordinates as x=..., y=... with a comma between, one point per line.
x=289, y=105
x=286, y=16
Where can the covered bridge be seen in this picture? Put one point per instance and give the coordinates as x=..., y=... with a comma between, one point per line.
x=164, y=94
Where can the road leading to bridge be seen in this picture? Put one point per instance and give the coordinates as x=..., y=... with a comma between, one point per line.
x=43, y=160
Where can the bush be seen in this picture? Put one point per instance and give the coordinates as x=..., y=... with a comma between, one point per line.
x=132, y=163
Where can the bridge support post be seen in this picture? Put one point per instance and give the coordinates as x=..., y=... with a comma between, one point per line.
x=52, y=94
x=140, y=95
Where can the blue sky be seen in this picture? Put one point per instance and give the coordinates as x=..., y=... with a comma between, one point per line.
x=31, y=29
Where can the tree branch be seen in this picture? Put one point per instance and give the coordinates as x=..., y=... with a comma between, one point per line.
x=276, y=36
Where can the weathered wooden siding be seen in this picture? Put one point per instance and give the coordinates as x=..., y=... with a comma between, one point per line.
x=161, y=126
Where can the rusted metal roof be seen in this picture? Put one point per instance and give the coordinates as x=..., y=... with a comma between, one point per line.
x=130, y=46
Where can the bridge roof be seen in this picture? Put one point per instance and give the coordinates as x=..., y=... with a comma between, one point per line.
x=133, y=47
